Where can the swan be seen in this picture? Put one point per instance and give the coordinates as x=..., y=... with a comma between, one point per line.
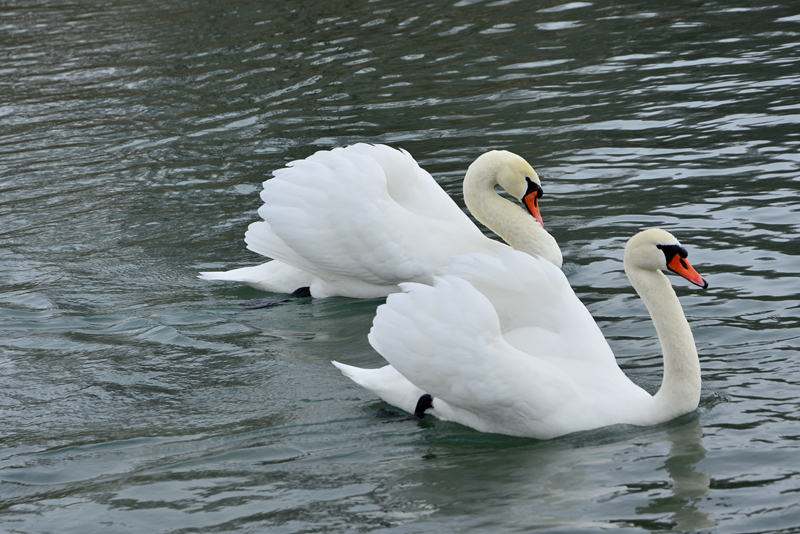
x=356, y=221
x=502, y=344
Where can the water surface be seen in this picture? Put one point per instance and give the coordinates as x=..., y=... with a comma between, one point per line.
x=133, y=142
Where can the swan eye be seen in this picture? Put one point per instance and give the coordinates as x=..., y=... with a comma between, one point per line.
x=533, y=187
x=670, y=251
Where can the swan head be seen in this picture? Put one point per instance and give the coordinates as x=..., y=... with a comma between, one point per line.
x=513, y=174
x=658, y=250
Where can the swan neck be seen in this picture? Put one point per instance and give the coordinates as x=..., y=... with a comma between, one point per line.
x=680, y=386
x=508, y=220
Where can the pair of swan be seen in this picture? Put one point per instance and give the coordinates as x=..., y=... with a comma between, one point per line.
x=359, y=220
x=483, y=334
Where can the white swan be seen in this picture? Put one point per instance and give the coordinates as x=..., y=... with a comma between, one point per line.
x=357, y=221
x=503, y=345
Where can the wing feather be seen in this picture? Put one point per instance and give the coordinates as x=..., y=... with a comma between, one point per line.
x=446, y=340
x=538, y=310
x=368, y=212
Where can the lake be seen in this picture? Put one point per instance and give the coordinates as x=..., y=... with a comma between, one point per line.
x=134, y=139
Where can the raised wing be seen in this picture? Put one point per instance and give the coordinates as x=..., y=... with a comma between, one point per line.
x=364, y=211
x=446, y=340
x=538, y=311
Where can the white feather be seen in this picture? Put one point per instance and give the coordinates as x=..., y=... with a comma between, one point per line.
x=360, y=220
x=503, y=345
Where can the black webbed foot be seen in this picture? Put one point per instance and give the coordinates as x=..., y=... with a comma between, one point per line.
x=387, y=414
x=271, y=302
x=260, y=304
x=425, y=402
x=301, y=293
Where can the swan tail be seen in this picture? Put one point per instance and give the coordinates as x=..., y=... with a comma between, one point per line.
x=386, y=383
x=262, y=240
x=273, y=276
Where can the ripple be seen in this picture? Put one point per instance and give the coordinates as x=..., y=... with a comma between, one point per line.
x=136, y=137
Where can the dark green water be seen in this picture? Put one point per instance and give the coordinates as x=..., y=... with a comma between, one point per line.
x=134, y=137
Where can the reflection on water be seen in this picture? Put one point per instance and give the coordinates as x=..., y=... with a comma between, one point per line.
x=487, y=480
x=688, y=486
x=136, y=135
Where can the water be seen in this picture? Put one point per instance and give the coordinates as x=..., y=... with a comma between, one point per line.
x=133, y=140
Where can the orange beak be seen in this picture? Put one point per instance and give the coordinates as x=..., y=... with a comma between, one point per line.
x=532, y=202
x=682, y=267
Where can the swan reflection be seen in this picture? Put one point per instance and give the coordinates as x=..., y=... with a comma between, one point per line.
x=688, y=484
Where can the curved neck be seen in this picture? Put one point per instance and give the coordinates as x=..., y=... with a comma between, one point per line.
x=680, y=386
x=509, y=221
